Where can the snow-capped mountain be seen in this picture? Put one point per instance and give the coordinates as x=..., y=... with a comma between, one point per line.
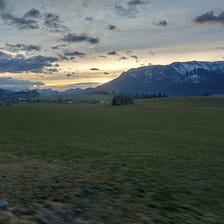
x=176, y=79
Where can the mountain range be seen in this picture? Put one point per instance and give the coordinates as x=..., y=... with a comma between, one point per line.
x=177, y=79
x=193, y=78
x=50, y=92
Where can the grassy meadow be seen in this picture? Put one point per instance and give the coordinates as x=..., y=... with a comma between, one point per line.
x=157, y=161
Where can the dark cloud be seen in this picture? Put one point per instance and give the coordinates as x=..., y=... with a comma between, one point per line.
x=131, y=8
x=71, y=55
x=89, y=18
x=33, y=13
x=17, y=84
x=138, y=2
x=106, y=73
x=33, y=18
x=72, y=75
x=76, y=38
x=123, y=58
x=102, y=56
x=210, y=18
x=112, y=53
x=161, y=23
x=135, y=57
x=93, y=40
x=111, y=27
x=50, y=70
x=53, y=22
x=94, y=69
x=57, y=47
x=74, y=53
x=22, y=47
x=18, y=63
x=62, y=57
x=20, y=23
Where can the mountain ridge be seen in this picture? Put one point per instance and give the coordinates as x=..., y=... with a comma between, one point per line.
x=176, y=79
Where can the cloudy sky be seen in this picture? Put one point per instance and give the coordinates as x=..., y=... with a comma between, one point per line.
x=64, y=44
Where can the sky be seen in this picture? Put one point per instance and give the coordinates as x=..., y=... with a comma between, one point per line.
x=63, y=44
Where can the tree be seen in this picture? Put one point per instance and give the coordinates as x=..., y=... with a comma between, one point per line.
x=122, y=100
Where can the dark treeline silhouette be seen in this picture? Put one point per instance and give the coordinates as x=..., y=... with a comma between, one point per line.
x=122, y=100
x=141, y=95
x=99, y=92
x=146, y=95
x=127, y=98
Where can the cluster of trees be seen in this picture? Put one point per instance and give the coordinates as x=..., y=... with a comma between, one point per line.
x=147, y=95
x=123, y=99
x=142, y=95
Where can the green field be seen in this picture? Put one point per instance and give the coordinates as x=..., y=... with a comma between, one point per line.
x=157, y=161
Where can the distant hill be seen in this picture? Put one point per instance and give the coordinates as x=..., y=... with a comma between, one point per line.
x=50, y=92
x=193, y=78
x=11, y=96
x=15, y=96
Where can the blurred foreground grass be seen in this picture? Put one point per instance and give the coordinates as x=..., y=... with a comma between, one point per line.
x=157, y=161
